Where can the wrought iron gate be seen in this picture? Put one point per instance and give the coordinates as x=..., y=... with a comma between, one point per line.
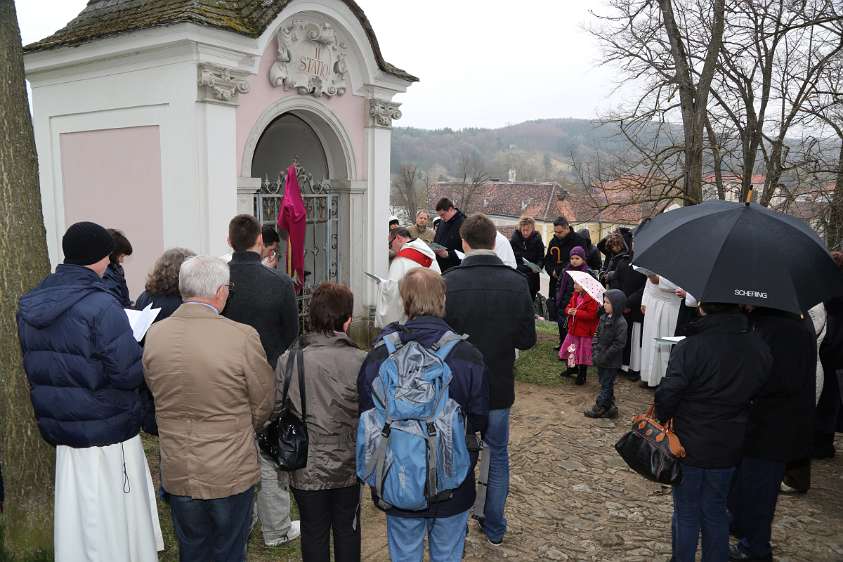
x=321, y=249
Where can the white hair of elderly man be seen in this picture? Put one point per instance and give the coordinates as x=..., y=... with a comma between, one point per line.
x=202, y=276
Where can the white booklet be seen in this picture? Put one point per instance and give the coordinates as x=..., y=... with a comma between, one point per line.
x=459, y=254
x=141, y=320
x=670, y=340
x=375, y=278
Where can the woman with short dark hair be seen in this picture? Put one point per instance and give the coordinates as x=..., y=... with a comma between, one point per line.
x=114, y=276
x=326, y=490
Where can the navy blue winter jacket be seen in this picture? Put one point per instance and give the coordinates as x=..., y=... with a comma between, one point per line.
x=82, y=362
x=469, y=388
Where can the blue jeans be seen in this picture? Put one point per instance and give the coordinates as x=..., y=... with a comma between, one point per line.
x=212, y=529
x=497, y=443
x=752, y=504
x=607, y=386
x=445, y=537
x=699, y=503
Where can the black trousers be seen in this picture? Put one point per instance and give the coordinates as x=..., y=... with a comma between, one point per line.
x=327, y=512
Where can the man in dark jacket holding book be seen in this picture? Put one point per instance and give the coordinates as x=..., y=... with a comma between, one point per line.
x=448, y=234
x=490, y=303
x=712, y=376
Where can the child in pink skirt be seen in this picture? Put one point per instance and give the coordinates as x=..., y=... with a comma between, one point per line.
x=582, y=317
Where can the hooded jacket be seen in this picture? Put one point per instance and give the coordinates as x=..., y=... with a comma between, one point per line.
x=114, y=280
x=414, y=254
x=81, y=360
x=607, y=350
x=469, y=388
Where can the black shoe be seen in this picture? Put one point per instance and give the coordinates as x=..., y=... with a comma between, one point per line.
x=595, y=412
x=735, y=553
x=612, y=412
x=632, y=376
x=581, y=372
x=644, y=384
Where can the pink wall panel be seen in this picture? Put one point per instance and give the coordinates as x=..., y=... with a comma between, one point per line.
x=113, y=177
x=350, y=109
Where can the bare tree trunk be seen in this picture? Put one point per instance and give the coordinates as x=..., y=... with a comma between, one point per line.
x=27, y=459
x=717, y=157
x=693, y=97
x=834, y=235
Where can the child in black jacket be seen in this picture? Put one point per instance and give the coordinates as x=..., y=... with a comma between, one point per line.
x=607, y=353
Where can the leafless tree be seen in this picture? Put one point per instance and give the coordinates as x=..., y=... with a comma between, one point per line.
x=670, y=48
x=410, y=188
x=472, y=168
x=27, y=459
x=774, y=53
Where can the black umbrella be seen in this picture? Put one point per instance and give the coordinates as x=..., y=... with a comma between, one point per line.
x=739, y=253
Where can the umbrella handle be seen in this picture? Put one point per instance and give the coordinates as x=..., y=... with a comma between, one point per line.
x=749, y=197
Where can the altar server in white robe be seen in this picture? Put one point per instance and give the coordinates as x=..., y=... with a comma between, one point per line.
x=661, y=311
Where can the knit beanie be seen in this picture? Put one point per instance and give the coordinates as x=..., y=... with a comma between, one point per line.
x=86, y=243
x=577, y=251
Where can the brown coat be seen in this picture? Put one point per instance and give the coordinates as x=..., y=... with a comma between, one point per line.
x=212, y=387
x=426, y=234
x=331, y=366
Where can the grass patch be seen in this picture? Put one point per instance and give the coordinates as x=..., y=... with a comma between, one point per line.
x=547, y=328
x=541, y=364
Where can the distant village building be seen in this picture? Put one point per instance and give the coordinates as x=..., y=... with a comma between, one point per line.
x=167, y=118
x=506, y=202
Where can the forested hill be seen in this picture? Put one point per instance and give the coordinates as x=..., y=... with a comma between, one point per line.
x=537, y=150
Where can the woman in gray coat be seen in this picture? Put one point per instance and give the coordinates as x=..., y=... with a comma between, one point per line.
x=326, y=490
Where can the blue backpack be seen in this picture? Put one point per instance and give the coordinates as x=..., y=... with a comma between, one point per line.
x=411, y=447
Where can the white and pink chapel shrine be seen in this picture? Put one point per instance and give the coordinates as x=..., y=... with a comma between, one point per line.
x=165, y=118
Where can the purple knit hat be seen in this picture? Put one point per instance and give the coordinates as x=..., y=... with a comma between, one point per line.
x=577, y=251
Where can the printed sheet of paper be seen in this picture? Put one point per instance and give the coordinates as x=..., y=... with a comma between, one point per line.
x=141, y=320
x=531, y=266
x=459, y=254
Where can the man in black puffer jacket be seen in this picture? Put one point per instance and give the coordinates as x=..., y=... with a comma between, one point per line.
x=84, y=371
x=712, y=377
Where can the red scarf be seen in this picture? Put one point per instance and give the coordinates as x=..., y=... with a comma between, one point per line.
x=416, y=256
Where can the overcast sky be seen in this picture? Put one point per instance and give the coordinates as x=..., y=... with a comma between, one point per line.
x=482, y=63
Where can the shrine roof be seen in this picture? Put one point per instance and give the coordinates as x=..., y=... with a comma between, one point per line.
x=105, y=18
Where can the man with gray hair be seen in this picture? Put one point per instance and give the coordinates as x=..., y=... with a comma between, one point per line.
x=213, y=388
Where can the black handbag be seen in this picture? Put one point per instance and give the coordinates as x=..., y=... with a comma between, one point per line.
x=285, y=439
x=652, y=450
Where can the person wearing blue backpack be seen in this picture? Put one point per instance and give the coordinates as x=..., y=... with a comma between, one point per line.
x=423, y=395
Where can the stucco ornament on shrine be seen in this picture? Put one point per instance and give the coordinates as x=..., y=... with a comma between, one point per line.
x=310, y=60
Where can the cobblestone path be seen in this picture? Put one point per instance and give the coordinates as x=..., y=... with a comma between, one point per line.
x=572, y=497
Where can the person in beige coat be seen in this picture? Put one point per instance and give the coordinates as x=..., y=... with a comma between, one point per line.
x=213, y=388
x=326, y=490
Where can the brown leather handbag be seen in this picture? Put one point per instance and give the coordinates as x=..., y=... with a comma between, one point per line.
x=652, y=450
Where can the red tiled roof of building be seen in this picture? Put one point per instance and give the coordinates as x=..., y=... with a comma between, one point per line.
x=542, y=201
